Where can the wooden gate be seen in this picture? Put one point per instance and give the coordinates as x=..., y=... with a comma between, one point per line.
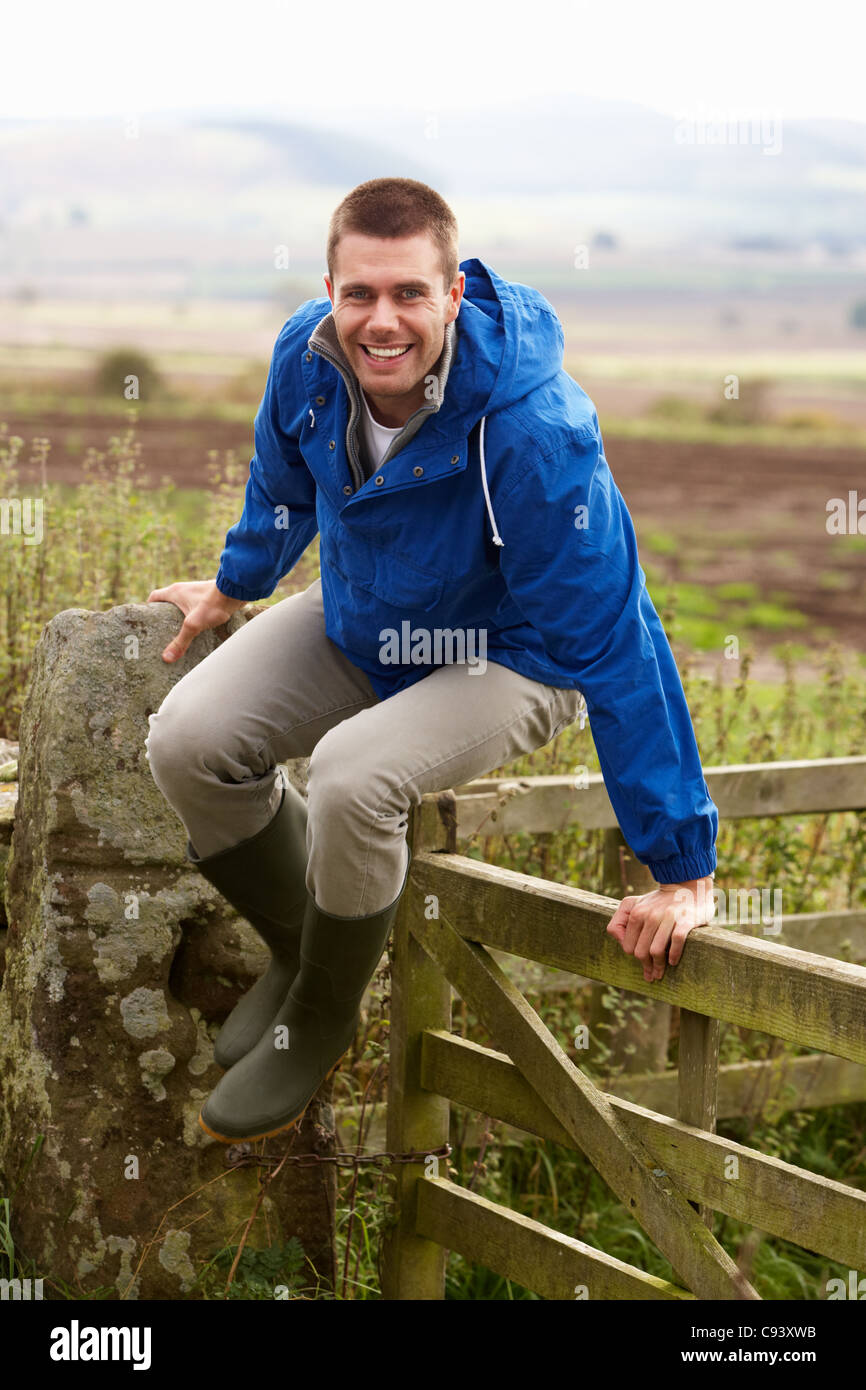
x=671, y=1173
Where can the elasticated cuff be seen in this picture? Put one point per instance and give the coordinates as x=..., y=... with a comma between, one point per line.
x=232, y=590
x=683, y=868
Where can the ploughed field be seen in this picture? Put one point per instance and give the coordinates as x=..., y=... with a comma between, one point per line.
x=705, y=513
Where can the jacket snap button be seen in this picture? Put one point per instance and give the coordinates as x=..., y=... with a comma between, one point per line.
x=320, y=400
x=379, y=480
x=332, y=443
x=309, y=356
x=418, y=471
x=347, y=489
x=456, y=458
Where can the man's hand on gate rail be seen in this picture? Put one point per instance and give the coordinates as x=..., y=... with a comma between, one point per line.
x=646, y=925
x=203, y=606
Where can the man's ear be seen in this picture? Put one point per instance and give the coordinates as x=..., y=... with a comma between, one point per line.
x=329, y=287
x=456, y=295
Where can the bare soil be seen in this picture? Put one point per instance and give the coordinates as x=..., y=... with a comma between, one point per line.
x=738, y=512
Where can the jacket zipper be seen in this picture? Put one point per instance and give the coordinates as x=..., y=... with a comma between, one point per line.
x=354, y=461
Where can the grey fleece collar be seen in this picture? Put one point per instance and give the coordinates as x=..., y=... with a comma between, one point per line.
x=324, y=340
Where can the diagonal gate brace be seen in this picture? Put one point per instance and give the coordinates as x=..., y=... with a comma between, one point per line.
x=619, y=1156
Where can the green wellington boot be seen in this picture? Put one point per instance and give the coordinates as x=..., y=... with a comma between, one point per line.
x=264, y=879
x=270, y=1088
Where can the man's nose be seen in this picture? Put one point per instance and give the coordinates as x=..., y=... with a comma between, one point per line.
x=383, y=316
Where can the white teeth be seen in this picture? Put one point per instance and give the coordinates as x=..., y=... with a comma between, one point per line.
x=386, y=352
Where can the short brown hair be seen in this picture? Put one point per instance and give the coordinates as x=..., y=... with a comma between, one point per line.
x=397, y=208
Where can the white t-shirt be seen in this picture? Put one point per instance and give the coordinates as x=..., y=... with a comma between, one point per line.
x=377, y=438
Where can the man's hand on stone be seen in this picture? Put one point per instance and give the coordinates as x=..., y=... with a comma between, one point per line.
x=203, y=606
x=646, y=925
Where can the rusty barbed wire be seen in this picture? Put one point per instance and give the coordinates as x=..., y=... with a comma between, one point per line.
x=241, y=1156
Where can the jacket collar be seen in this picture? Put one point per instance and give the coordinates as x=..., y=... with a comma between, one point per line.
x=325, y=341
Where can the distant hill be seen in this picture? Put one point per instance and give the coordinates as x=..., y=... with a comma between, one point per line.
x=570, y=143
x=184, y=159
x=556, y=144
x=203, y=201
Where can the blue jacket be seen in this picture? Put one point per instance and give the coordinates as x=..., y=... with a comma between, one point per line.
x=500, y=514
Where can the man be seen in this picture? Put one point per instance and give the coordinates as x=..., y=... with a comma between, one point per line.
x=425, y=427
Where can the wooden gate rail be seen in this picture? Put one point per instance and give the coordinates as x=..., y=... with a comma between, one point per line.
x=453, y=910
x=745, y=1089
x=814, y=1001
x=827, y=1217
x=551, y=1264
x=741, y=791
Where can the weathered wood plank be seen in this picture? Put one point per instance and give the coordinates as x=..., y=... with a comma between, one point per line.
x=841, y=935
x=745, y=1088
x=412, y=1267
x=698, y=1077
x=585, y=1112
x=808, y=999
x=540, y=1259
x=779, y=1198
x=493, y=806
x=784, y=1083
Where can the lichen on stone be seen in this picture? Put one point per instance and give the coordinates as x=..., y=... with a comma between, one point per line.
x=174, y=1256
x=127, y=1286
x=194, y=1136
x=203, y=1055
x=145, y=1013
x=154, y=1066
x=119, y=941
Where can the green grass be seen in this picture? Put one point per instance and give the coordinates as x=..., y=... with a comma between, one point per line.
x=835, y=580
x=737, y=589
x=711, y=432
x=186, y=406
x=235, y=391
x=702, y=616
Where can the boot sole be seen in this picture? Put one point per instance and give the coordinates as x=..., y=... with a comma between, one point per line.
x=269, y=1133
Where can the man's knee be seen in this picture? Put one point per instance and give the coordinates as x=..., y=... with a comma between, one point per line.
x=182, y=740
x=347, y=779
x=169, y=743
x=329, y=771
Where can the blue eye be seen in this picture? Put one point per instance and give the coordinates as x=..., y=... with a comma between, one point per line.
x=352, y=294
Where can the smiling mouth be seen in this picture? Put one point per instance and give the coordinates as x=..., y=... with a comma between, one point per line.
x=385, y=354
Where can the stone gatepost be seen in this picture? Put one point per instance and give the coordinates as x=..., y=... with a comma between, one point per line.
x=121, y=962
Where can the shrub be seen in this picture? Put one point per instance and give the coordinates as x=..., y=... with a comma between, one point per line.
x=117, y=365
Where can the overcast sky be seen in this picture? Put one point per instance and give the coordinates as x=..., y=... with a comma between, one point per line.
x=684, y=57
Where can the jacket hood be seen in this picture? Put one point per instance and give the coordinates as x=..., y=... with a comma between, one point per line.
x=510, y=342
x=513, y=342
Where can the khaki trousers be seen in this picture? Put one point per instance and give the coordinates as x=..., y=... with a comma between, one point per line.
x=280, y=689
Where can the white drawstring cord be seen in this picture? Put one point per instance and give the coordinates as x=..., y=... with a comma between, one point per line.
x=497, y=539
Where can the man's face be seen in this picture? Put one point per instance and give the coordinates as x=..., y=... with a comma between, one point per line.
x=389, y=293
